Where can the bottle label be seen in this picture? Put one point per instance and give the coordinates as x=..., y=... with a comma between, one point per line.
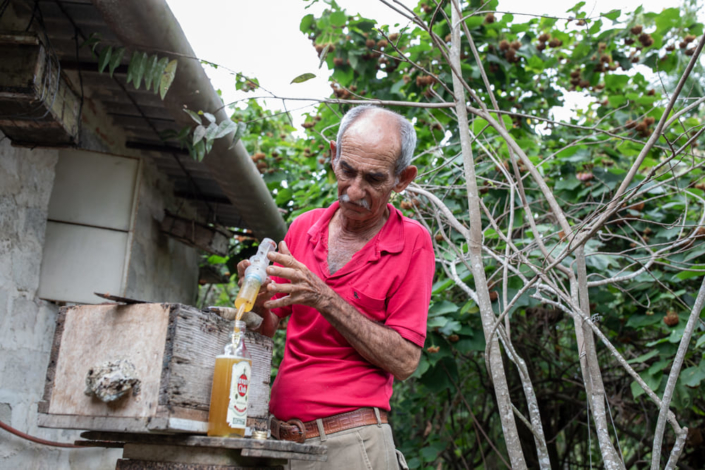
x=239, y=391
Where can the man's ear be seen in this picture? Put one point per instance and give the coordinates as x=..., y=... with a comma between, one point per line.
x=333, y=149
x=405, y=178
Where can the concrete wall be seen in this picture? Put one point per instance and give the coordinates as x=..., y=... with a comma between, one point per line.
x=161, y=269
x=26, y=322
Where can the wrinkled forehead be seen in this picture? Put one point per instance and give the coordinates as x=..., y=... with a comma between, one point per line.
x=375, y=129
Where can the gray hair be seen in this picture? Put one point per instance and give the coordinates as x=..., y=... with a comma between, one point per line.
x=407, y=134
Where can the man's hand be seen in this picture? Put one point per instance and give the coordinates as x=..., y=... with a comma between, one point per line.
x=263, y=295
x=303, y=288
x=378, y=344
x=271, y=321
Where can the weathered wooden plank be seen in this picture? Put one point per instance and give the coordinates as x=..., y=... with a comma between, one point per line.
x=198, y=455
x=203, y=441
x=263, y=453
x=95, y=334
x=95, y=422
x=173, y=348
x=43, y=406
x=194, y=356
x=148, y=465
x=37, y=104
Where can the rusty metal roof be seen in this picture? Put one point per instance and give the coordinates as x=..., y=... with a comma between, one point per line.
x=141, y=113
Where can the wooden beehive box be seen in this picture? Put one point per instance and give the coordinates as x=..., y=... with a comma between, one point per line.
x=173, y=349
x=37, y=104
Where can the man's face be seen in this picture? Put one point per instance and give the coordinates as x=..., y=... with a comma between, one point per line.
x=365, y=169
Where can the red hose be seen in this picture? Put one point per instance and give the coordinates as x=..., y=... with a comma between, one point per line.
x=14, y=431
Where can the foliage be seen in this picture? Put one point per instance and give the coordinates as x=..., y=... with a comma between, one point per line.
x=158, y=73
x=626, y=66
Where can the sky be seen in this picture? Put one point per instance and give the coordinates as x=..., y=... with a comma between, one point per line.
x=262, y=38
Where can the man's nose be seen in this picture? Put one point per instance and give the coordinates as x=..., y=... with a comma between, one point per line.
x=356, y=191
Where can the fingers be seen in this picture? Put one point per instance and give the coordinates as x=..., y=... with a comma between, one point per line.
x=287, y=288
x=284, y=256
x=285, y=273
x=281, y=302
x=242, y=266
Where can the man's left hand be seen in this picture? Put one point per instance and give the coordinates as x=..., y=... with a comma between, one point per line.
x=304, y=287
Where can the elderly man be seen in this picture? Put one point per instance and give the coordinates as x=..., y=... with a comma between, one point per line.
x=355, y=279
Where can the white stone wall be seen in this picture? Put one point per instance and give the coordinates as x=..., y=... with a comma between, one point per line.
x=27, y=323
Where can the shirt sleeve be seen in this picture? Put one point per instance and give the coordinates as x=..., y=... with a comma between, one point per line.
x=408, y=306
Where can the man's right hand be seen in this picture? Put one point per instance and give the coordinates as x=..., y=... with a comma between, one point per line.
x=271, y=321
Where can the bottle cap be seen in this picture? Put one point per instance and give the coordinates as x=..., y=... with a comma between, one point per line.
x=259, y=435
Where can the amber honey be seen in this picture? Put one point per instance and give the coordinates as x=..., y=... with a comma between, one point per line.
x=221, y=392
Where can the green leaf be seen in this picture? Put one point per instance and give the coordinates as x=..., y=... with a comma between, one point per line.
x=92, y=41
x=612, y=15
x=700, y=342
x=149, y=65
x=304, y=77
x=616, y=82
x=132, y=67
x=643, y=357
x=210, y=132
x=306, y=23
x=241, y=128
x=194, y=116
x=167, y=78
x=139, y=70
x=324, y=53
x=616, y=100
x=116, y=59
x=692, y=376
x=209, y=116
x=440, y=308
x=225, y=128
x=104, y=58
x=338, y=18
x=474, y=22
x=569, y=183
x=283, y=196
x=158, y=72
x=640, y=321
x=651, y=381
x=198, y=134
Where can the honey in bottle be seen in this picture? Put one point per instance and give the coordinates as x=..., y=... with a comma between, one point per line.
x=231, y=386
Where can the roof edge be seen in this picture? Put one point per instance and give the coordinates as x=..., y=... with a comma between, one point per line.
x=150, y=25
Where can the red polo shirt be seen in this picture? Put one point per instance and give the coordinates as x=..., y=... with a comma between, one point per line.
x=389, y=281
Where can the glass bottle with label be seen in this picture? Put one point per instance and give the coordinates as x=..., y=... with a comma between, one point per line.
x=231, y=385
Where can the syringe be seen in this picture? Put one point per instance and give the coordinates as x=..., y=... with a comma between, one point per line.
x=255, y=275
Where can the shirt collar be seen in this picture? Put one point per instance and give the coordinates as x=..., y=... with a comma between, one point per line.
x=390, y=239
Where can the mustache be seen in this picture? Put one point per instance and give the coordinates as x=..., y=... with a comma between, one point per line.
x=362, y=203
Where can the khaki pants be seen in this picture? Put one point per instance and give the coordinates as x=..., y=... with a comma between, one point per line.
x=364, y=448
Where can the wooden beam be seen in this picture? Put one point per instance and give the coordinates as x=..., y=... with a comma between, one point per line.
x=196, y=234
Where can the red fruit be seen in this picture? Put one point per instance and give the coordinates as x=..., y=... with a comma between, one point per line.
x=671, y=318
x=636, y=29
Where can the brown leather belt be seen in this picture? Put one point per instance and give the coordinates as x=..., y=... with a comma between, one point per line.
x=298, y=431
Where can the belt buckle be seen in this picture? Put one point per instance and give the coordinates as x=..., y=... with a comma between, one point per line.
x=297, y=423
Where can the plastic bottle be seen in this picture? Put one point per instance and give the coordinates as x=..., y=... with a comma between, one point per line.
x=231, y=386
x=255, y=275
